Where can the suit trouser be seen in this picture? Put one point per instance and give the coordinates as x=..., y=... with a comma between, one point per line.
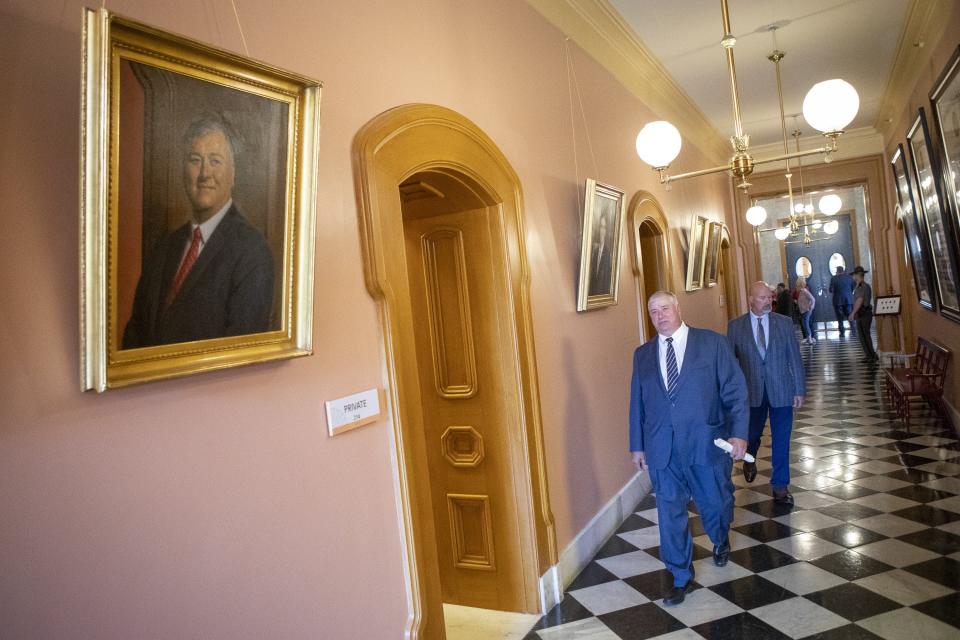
x=843, y=312
x=712, y=490
x=781, y=424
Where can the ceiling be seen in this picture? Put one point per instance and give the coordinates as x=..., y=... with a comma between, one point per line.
x=856, y=40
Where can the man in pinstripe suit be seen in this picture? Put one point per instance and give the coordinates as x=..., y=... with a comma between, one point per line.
x=769, y=355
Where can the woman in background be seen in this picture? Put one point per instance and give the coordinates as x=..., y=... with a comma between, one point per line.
x=805, y=304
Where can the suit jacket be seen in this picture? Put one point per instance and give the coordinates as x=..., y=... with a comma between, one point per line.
x=841, y=286
x=602, y=265
x=711, y=402
x=228, y=292
x=781, y=372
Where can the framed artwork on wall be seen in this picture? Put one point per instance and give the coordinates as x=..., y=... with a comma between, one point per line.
x=599, y=281
x=939, y=230
x=915, y=238
x=696, y=253
x=198, y=179
x=945, y=99
x=712, y=257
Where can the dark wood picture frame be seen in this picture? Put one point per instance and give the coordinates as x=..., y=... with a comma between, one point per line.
x=938, y=219
x=914, y=235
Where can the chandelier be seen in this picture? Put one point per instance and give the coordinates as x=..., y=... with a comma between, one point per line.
x=829, y=106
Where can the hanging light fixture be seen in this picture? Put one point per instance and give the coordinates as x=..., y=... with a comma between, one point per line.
x=830, y=204
x=829, y=107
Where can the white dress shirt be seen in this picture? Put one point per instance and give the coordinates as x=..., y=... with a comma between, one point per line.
x=679, y=347
x=206, y=229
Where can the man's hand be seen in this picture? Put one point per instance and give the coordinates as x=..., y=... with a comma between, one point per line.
x=851, y=318
x=739, y=448
x=797, y=402
x=640, y=460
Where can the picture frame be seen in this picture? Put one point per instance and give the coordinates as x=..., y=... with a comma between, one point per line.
x=198, y=206
x=886, y=306
x=696, y=253
x=602, y=238
x=945, y=99
x=914, y=236
x=712, y=256
x=937, y=217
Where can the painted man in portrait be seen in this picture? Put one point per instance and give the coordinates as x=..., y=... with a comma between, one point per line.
x=212, y=277
x=601, y=258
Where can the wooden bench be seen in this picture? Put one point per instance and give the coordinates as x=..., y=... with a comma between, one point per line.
x=922, y=378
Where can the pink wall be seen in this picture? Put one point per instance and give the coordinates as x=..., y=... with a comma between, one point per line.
x=924, y=322
x=216, y=506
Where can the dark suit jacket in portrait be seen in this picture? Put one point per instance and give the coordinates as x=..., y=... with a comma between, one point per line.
x=228, y=292
x=601, y=265
x=781, y=372
x=711, y=402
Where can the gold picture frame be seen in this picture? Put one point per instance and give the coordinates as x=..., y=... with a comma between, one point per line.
x=599, y=282
x=712, y=256
x=198, y=206
x=696, y=253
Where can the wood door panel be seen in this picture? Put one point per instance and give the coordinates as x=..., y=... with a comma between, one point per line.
x=455, y=265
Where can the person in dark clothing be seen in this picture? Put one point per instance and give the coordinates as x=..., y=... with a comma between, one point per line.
x=784, y=301
x=841, y=286
x=862, y=312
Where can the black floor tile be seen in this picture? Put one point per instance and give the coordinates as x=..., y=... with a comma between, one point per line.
x=847, y=511
x=569, y=610
x=699, y=553
x=649, y=501
x=642, y=622
x=848, y=632
x=849, y=535
x=615, y=546
x=936, y=540
x=634, y=522
x=945, y=571
x=851, y=565
x=654, y=584
x=930, y=516
x=920, y=494
x=766, y=530
x=769, y=508
x=593, y=574
x=760, y=558
x=913, y=475
x=945, y=609
x=751, y=592
x=852, y=601
x=737, y=627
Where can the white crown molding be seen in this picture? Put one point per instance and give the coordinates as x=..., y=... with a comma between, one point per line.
x=925, y=25
x=600, y=31
x=855, y=143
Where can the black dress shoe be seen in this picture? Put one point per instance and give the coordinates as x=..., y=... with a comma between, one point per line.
x=677, y=594
x=721, y=553
x=783, y=497
x=749, y=471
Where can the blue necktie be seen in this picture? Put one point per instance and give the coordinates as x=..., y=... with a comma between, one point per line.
x=673, y=373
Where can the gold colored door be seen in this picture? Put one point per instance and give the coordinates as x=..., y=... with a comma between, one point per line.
x=458, y=290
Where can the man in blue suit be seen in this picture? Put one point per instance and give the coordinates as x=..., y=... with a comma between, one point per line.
x=768, y=352
x=841, y=286
x=687, y=390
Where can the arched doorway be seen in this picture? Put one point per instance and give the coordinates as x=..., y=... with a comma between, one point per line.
x=441, y=219
x=650, y=250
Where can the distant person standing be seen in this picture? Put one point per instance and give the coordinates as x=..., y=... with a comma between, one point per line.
x=805, y=304
x=862, y=313
x=841, y=286
x=784, y=301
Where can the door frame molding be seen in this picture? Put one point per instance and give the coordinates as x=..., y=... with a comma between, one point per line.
x=391, y=147
x=645, y=208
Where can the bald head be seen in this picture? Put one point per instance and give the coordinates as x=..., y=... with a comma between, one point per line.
x=664, y=312
x=760, y=298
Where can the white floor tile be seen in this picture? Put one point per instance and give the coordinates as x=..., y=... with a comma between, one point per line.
x=609, y=596
x=644, y=538
x=885, y=502
x=802, y=578
x=950, y=504
x=798, y=617
x=889, y=525
x=807, y=520
x=903, y=587
x=896, y=553
x=908, y=623
x=630, y=564
x=702, y=606
x=709, y=574
x=589, y=629
x=805, y=546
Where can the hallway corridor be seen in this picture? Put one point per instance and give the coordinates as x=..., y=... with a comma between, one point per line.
x=870, y=550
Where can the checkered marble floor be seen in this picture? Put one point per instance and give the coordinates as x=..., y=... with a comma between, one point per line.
x=870, y=550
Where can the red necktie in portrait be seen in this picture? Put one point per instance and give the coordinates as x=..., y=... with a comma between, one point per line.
x=185, y=266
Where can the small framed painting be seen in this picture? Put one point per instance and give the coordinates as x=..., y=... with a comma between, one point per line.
x=599, y=281
x=696, y=253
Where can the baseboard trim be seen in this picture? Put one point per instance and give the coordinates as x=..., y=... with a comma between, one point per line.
x=585, y=544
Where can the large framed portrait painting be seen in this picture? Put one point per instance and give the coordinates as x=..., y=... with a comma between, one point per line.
x=914, y=237
x=599, y=280
x=198, y=206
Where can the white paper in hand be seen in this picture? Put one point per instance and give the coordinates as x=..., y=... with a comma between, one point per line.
x=726, y=446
